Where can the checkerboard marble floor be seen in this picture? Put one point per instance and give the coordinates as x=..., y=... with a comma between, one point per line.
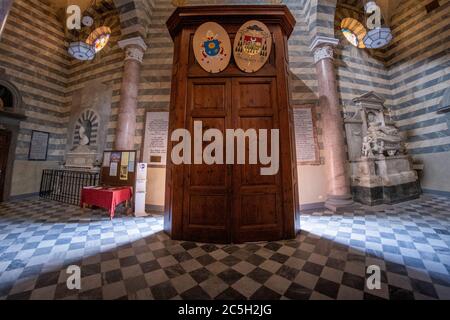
x=131, y=258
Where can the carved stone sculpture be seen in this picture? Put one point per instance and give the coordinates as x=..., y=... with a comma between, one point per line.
x=84, y=139
x=381, y=170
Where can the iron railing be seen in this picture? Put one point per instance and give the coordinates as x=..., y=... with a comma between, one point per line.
x=65, y=186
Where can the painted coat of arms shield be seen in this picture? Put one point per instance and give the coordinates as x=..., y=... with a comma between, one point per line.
x=252, y=46
x=212, y=47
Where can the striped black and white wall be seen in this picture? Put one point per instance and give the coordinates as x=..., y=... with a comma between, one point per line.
x=411, y=73
x=418, y=63
x=33, y=57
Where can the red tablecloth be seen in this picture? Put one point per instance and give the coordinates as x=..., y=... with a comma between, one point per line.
x=107, y=198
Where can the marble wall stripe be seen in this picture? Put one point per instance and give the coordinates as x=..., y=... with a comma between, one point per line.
x=418, y=63
x=411, y=74
x=33, y=56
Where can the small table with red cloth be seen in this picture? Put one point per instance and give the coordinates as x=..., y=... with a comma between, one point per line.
x=106, y=197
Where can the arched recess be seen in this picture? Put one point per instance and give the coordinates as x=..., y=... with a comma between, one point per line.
x=91, y=117
x=10, y=117
x=13, y=91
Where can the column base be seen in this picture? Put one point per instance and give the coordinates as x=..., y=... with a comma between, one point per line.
x=340, y=203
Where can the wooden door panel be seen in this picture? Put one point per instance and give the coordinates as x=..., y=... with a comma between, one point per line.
x=256, y=198
x=251, y=173
x=208, y=175
x=207, y=196
x=259, y=210
x=209, y=95
x=208, y=210
x=256, y=94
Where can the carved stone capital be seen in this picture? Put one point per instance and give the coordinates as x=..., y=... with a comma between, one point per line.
x=323, y=52
x=134, y=48
x=134, y=53
x=323, y=48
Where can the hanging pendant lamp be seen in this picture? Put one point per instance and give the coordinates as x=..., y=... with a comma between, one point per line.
x=379, y=36
x=88, y=43
x=80, y=50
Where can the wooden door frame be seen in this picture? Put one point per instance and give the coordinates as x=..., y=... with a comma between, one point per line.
x=8, y=136
x=13, y=131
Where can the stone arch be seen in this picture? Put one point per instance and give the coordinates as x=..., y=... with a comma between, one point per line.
x=87, y=115
x=7, y=85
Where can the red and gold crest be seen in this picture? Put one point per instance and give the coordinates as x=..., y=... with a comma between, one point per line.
x=252, y=46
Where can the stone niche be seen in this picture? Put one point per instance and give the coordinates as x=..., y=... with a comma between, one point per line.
x=381, y=170
x=88, y=125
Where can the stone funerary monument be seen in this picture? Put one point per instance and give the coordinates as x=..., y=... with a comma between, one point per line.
x=381, y=171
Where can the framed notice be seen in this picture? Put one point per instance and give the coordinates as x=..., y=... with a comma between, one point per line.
x=306, y=142
x=38, y=146
x=156, y=136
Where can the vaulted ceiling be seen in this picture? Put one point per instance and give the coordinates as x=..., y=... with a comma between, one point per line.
x=388, y=8
x=61, y=4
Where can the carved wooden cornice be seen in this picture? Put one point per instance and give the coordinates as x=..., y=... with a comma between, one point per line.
x=194, y=15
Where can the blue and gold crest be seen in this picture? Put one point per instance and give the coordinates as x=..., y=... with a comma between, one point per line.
x=212, y=47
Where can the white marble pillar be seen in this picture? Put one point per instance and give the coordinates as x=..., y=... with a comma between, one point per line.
x=5, y=7
x=129, y=91
x=339, y=195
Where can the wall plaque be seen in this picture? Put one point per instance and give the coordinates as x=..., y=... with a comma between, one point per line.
x=252, y=46
x=155, y=141
x=212, y=47
x=38, y=146
x=305, y=135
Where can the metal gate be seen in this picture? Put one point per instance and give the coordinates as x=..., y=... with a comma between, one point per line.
x=65, y=186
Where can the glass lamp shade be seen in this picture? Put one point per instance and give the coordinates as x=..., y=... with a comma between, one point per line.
x=87, y=21
x=99, y=38
x=378, y=38
x=81, y=51
x=353, y=31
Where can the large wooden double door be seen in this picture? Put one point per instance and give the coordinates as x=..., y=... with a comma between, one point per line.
x=231, y=202
x=226, y=202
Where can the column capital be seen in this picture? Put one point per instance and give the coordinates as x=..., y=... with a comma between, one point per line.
x=134, y=48
x=323, y=48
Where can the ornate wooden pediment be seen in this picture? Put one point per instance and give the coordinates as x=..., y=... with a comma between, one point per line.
x=195, y=15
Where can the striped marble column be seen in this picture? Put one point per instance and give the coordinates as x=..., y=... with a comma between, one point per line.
x=339, y=195
x=126, y=123
x=5, y=7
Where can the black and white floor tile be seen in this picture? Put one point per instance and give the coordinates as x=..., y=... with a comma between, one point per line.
x=131, y=258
